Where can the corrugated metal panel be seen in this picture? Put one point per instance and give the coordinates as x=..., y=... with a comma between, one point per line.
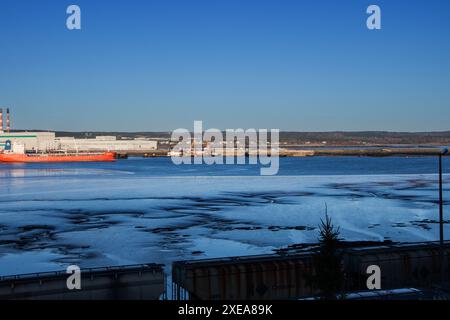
x=285, y=276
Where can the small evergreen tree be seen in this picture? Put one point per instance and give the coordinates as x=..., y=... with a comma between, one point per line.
x=329, y=276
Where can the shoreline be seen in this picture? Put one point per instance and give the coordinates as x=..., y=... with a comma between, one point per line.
x=326, y=151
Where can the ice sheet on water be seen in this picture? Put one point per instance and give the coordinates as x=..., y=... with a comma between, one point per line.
x=48, y=221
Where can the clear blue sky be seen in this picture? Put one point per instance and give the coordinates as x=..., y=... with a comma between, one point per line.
x=158, y=65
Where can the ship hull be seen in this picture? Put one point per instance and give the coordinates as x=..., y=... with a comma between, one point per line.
x=45, y=158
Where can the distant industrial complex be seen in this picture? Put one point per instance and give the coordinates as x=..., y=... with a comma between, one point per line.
x=47, y=141
x=293, y=144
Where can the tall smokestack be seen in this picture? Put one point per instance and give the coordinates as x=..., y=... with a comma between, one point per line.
x=8, y=124
x=1, y=120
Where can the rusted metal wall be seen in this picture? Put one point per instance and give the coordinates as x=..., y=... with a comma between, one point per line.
x=285, y=276
x=258, y=277
x=416, y=265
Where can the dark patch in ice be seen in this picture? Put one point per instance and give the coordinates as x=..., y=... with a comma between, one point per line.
x=88, y=221
x=28, y=237
x=33, y=227
x=363, y=190
x=283, y=228
x=167, y=229
x=413, y=184
x=77, y=258
x=277, y=197
x=249, y=228
x=432, y=221
x=400, y=225
x=424, y=224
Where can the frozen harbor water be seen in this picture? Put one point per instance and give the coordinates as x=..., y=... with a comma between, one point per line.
x=149, y=210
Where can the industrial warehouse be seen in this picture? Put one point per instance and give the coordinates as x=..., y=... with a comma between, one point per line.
x=47, y=141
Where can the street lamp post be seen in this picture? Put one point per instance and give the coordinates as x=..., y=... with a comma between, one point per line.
x=441, y=216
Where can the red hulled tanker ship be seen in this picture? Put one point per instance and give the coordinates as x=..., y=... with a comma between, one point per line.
x=57, y=157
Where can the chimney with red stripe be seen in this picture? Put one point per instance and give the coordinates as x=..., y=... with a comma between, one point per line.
x=8, y=125
x=1, y=120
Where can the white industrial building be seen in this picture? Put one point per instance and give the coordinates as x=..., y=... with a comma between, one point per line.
x=46, y=141
x=106, y=143
x=32, y=141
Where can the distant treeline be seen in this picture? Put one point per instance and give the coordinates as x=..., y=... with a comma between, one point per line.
x=366, y=137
